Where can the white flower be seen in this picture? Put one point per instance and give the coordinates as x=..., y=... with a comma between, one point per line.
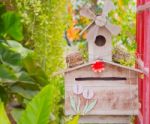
x=77, y=89
x=88, y=94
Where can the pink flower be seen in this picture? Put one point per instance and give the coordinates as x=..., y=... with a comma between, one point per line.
x=77, y=89
x=88, y=94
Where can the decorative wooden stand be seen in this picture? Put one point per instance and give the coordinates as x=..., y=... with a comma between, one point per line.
x=101, y=91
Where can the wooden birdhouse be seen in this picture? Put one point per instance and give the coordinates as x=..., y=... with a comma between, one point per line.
x=101, y=91
x=100, y=32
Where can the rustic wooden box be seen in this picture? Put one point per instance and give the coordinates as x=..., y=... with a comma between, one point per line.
x=115, y=90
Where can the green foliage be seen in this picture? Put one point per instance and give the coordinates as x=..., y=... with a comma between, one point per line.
x=11, y=26
x=21, y=76
x=7, y=75
x=8, y=56
x=74, y=120
x=125, y=17
x=10, y=23
x=2, y=8
x=57, y=115
x=16, y=75
x=44, y=24
x=16, y=114
x=34, y=69
x=38, y=110
x=3, y=116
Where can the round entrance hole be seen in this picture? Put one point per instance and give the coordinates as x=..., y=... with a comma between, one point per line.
x=100, y=40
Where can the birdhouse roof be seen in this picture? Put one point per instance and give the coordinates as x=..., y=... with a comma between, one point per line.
x=107, y=62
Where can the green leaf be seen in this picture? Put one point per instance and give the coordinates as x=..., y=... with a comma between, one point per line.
x=125, y=2
x=2, y=8
x=74, y=120
x=12, y=25
x=24, y=77
x=73, y=104
x=3, y=116
x=26, y=93
x=7, y=75
x=8, y=56
x=18, y=48
x=16, y=113
x=38, y=110
x=90, y=106
x=35, y=70
x=3, y=94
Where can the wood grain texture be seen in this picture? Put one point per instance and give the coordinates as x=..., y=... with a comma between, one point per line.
x=91, y=62
x=110, y=71
x=104, y=120
x=103, y=52
x=113, y=97
x=110, y=101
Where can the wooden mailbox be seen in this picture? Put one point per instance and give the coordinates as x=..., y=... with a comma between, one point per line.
x=112, y=92
x=115, y=89
x=101, y=91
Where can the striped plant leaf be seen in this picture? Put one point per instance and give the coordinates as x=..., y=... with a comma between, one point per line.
x=73, y=104
x=78, y=106
x=90, y=106
x=85, y=107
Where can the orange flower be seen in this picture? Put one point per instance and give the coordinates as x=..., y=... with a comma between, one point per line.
x=73, y=33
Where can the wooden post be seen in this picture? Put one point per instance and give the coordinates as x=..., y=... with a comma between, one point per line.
x=143, y=50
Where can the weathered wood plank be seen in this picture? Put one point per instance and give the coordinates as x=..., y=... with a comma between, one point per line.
x=110, y=71
x=104, y=119
x=110, y=100
x=122, y=83
x=91, y=62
